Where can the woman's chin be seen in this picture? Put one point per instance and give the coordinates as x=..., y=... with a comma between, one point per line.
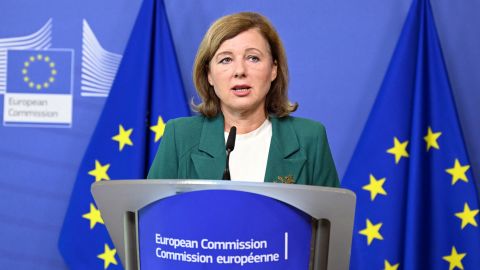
x=243, y=108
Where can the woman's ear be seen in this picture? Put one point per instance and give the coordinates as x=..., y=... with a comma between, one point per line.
x=209, y=76
x=274, y=71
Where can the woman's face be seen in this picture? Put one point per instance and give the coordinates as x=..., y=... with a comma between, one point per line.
x=241, y=72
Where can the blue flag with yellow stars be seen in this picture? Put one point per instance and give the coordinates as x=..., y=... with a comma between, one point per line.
x=417, y=203
x=146, y=93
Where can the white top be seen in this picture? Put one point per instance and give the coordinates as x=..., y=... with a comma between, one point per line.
x=248, y=160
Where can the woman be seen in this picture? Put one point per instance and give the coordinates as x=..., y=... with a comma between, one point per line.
x=241, y=75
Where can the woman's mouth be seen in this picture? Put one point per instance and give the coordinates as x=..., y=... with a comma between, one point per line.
x=241, y=90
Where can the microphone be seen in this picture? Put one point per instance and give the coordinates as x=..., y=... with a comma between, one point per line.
x=229, y=148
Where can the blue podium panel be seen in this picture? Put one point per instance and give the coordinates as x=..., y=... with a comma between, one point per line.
x=223, y=229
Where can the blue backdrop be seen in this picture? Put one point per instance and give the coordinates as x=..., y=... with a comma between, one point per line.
x=338, y=54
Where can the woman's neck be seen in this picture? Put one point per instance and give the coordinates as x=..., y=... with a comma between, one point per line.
x=244, y=123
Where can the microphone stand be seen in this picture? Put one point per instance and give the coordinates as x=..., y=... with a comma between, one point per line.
x=229, y=148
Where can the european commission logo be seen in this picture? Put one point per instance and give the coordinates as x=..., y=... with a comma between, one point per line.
x=35, y=71
x=39, y=87
x=37, y=81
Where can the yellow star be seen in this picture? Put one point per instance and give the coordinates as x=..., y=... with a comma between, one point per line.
x=123, y=137
x=94, y=216
x=455, y=259
x=159, y=128
x=458, y=172
x=399, y=149
x=375, y=187
x=388, y=266
x=431, y=139
x=372, y=231
x=108, y=257
x=100, y=171
x=467, y=216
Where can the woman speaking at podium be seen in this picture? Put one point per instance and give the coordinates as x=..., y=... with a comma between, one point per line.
x=241, y=76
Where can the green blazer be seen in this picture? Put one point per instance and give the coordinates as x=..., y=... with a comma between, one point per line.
x=194, y=148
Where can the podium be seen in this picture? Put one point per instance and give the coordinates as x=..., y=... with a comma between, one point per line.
x=331, y=211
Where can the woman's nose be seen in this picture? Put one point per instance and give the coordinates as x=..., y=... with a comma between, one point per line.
x=240, y=70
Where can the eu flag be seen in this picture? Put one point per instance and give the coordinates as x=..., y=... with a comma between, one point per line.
x=39, y=71
x=417, y=204
x=146, y=93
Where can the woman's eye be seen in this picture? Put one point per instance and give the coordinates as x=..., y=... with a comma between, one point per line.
x=225, y=60
x=253, y=58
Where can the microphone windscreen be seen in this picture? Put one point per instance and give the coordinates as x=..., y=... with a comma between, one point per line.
x=231, y=138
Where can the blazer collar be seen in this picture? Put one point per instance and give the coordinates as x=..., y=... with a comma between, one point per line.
x=210, y=161
x=284, y=137
x=285, y=159
x=212, y=139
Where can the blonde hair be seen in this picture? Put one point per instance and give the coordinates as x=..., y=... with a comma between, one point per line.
x=225, y=28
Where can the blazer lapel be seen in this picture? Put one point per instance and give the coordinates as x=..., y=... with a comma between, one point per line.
x=209, y=161
x=285, y=159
